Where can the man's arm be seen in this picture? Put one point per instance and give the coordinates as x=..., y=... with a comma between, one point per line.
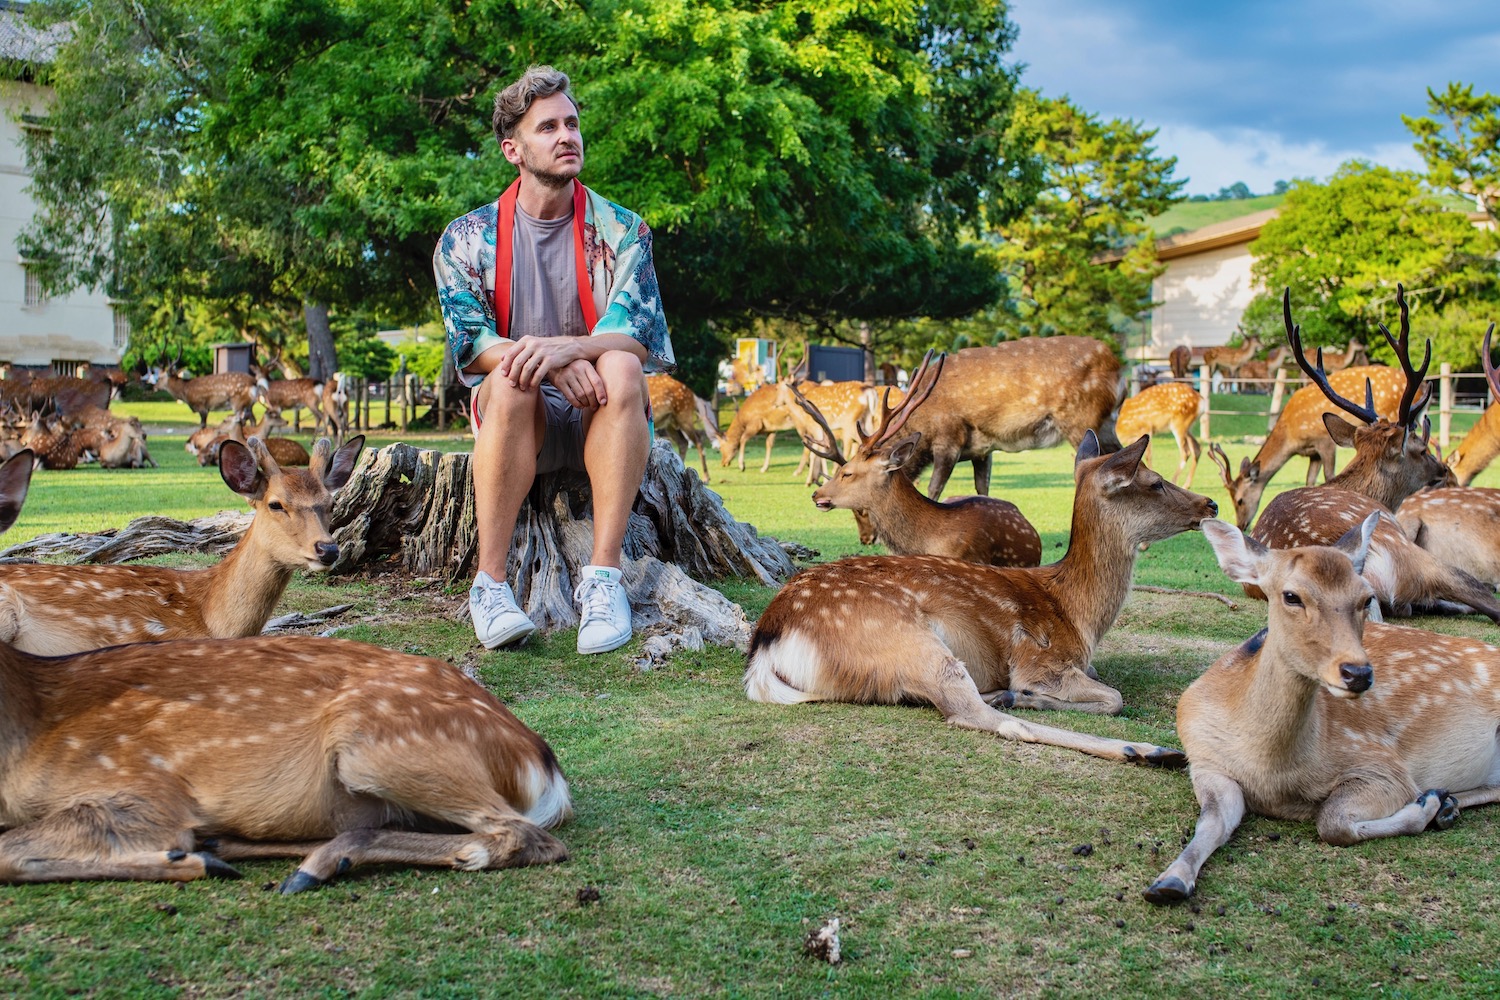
x=567, y=362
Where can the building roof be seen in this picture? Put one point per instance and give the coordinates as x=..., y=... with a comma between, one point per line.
x=22, y=42
x=1221, y=234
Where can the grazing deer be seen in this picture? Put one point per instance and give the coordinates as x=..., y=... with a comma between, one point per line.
x=51, y=610
x=961, y=636
x=674, y=410
x=1181, y=359
x=1370, y=730
x=1299, y=430
x=760, y=413
x=1022, y=394
x=162, y=761
x=1172, y=406
x=1227, y=359
x=974, y=529
x=234, y=391
x=1392, y=461
x=1480, y=446
x=843, y=405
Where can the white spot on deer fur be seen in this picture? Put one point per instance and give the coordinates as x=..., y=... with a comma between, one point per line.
x=105, y=762
x=154, y=627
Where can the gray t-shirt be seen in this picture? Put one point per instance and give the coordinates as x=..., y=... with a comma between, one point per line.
x=544, y=279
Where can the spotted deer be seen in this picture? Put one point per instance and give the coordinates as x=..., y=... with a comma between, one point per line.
x=1299, y=430
x=1227, y=359
x=842, y=405
x=1480, y=446
x=91, y=434
x=1392, y=460
x=1171, y=406
x=164, y=761
x=284, y=451
x=964, y=637
x=212, y=437
x=674, y=410
x=291, y=394
x=871, y=483
x=51, y=610
x=234, y=391
x=759, y=413
x=1326, y=715
x=1034, y=392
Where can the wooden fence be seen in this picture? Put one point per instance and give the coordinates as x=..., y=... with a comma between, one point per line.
x=389, y=403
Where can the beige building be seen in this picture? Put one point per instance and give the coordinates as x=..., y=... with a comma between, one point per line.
x=37, y=330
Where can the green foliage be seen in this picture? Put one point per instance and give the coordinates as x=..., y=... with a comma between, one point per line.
x=1343, y=246
x=1462, y=152
x=364, y=355
x=424, y=359
x=1104, y=182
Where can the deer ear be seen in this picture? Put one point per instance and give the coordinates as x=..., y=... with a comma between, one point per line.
x=1339, y=429
x=239, y=471
x=15, y=477
x=344, y=460
x=897, y=454
x=1239, y=555
x=1088, y=447
x=1355, y=543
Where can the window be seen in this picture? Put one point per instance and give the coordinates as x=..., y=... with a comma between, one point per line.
x=122, y=329
x=35, y=294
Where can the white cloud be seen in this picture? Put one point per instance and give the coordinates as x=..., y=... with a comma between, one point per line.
x=1214, y=159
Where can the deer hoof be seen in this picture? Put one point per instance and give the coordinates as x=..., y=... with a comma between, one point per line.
x=215, y=867
x=1447, y=813
x=1167, y=890
x=300, y=881
x=1157, y=757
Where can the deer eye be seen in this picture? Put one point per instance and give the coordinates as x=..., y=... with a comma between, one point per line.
x=275, y=505
x=1291, y=599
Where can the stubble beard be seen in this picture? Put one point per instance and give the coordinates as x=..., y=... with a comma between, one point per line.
x=547, y=178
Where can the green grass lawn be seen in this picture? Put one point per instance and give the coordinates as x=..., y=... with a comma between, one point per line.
x=719, y=832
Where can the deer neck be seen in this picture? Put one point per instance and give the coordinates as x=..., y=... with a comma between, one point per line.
x=1367, y=479
x=240, y=593
x=1276, y=719
x=1092, y=580
x=902, y=516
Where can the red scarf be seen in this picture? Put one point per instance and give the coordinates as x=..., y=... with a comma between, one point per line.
x=504, y=233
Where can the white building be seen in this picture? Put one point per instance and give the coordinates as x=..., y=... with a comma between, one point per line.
x=36, y=330
x=1206, y=286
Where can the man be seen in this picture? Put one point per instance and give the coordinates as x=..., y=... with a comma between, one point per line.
x=555, y=332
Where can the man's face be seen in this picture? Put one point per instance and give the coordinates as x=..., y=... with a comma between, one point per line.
x=547, y=143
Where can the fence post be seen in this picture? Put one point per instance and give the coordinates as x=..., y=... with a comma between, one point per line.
x=442, y=403
x=1445, y=403
x=1205, y=384
x=1278, y=393
x=364, y=394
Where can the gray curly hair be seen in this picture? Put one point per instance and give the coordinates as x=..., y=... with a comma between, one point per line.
x=512, y=103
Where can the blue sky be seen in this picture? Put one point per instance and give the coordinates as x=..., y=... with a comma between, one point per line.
x=1260, y=91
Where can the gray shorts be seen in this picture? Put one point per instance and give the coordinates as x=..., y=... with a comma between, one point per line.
x=562, y=437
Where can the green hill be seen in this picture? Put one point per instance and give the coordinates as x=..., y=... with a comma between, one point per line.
x=1189, y=215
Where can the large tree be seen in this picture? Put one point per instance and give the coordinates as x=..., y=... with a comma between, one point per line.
x=1342, y=247
x=1461, y=143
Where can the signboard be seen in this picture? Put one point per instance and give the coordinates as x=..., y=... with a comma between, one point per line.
x=754, y=362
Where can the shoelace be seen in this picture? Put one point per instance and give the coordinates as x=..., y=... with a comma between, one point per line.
x=491, y=598
x=596, y=596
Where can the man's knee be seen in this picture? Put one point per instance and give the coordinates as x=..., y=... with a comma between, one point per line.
x=622, y=374
x=500, y=400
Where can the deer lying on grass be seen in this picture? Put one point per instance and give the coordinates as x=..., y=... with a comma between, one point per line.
x=1392, y=461
x=674, y=410
x=161, y=761
x=1321, y=716
x=962, y=637
x=285, y=451
x=1172, y=406
x=209, y=437
x=62, y=442
x=872, y=484
x=51, y=610
x=233, y=391
x=1029, y=393
x=1300, y=430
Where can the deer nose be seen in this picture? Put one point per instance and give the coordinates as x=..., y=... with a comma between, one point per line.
x=1357, y=677
x=1213, y=509
x=328, y=552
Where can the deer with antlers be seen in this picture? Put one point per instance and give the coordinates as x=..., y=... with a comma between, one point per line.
x=163, y=761
x=284, y=451
x=963, y=637
x=1300, y=431
x=234, y=391
x=1170, y=406
x=871, y=483
x=843, y=405
x=674, y=411
x=1326, y=716
x=51, y=610
x=1392, y=461
x=294, y=394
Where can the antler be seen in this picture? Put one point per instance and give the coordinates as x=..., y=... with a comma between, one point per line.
x=832, y=452
x=1415, y=378
x=1217, y=456
x=1319, y=377
x=891, y=421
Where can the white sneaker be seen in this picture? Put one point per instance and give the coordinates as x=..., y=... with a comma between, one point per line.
x=498, y=620
x=604, y=610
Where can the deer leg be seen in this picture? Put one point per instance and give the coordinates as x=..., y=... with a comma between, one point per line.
x=1221, y=806
x=1189, y=451
x=699, y=438
x=982, y=469
x=1368, y=809
x=1050, y=688
x=1477, y=796
x=942, y=468
x=951, y=689
x=770, y=440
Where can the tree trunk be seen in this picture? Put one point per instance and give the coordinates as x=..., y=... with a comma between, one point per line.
x=322, y=358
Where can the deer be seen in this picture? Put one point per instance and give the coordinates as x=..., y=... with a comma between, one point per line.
x=165, y=761
x=1353, y=353
x=1299, y=430
x=975, y=529
x=334, y=405
x=1479, y=447
x=293, y=394
x=52, y=610
x=1329, y=715
x=235, y=391
x=62, y=442
x=759, y=413
x=674, y=410
x=284, y=451
x=844, y=404
x=1180, y=359
x=1392, y=461
x=964, y=637
x=1227, y=359
x=1021, y=394
x=205, y=437
x=1172, y=406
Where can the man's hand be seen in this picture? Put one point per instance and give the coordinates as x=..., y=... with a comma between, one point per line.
x=528, y=362
x=580, y=385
